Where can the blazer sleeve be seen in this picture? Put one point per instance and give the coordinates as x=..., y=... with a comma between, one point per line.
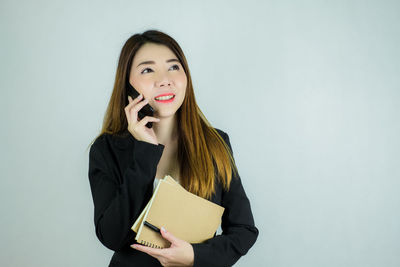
x=238, y=230
x=117, y=204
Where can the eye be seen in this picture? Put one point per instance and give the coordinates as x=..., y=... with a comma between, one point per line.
x=143, y=71
x=175, y=66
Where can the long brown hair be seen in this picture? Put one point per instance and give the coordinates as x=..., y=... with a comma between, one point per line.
x=202, y=152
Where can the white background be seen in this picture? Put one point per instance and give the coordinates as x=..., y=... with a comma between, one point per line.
x=308, y=92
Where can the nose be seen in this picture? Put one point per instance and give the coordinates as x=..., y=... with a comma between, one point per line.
x=163, y=80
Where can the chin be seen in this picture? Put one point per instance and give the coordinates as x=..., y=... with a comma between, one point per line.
x=164, y=114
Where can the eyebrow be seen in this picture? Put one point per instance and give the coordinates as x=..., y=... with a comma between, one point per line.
x=152, y=62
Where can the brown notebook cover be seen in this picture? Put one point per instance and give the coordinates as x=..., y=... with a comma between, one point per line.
x=186, y=215
x=139, y=220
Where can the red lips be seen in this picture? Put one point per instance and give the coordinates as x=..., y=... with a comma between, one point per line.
x=167, y=94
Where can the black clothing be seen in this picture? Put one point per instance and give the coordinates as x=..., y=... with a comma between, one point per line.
x=121, y=175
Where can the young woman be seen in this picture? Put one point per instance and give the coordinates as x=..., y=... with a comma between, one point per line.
x=127, y=159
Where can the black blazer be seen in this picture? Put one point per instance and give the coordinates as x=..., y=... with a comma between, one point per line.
x=121, y=175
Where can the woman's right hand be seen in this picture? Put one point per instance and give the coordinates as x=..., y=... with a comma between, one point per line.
x=138, y=127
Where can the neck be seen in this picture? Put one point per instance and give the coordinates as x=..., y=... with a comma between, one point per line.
x=166, y=130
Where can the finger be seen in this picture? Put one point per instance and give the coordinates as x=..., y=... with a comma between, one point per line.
x=154, y=252
x=133, y=110
x=169, y=236
x=127, y=114
x=131, y=104
x=147, y=119
x=137, y=99
x=140, y=105
x=132, y=101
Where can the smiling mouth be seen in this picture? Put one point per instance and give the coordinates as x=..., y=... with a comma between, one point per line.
x=164, y=98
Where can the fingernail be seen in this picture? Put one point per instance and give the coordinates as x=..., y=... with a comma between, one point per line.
x=163, y=229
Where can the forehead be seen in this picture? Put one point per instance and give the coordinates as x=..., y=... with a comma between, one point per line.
x=155, y=52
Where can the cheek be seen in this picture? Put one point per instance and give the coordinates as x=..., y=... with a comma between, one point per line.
x=143, y=86
x=182, y=80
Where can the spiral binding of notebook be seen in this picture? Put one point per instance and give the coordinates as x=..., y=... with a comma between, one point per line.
x=148, y=244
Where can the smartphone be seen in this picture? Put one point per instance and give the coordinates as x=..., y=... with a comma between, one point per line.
x=147, y=110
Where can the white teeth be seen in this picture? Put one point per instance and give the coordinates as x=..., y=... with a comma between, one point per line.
x=164, y=97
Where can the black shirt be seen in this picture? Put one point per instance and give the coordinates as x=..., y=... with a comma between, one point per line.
x=121, y=175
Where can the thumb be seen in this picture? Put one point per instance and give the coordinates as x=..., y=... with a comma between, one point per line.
x=168, y=236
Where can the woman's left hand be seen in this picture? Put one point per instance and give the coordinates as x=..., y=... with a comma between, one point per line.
x=180, y=253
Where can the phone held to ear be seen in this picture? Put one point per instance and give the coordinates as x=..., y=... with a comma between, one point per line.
x=147, y=110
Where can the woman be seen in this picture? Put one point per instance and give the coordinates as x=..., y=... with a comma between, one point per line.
x=127, y=156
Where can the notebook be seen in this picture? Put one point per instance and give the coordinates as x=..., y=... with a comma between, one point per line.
x=139, y=220
x=186, y=215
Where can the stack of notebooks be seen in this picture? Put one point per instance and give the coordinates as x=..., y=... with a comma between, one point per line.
x=185, y=215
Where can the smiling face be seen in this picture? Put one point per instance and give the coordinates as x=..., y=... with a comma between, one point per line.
x=157, y=73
